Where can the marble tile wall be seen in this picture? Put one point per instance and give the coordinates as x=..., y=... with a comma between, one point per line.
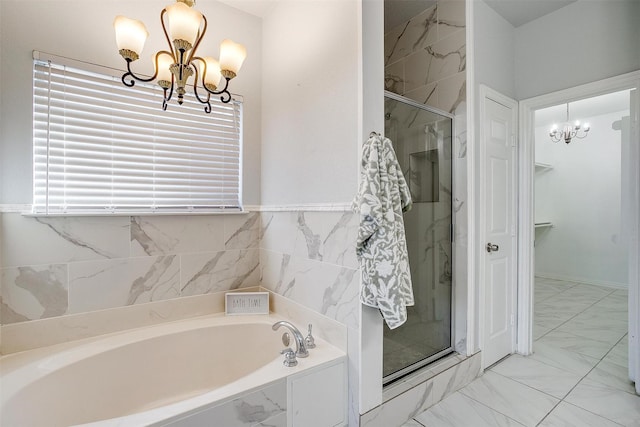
x=59, y=266
x=309, y=257
x=425, y=60
x=400, y=409
x=261, y=408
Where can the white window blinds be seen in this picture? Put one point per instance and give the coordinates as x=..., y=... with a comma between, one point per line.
x=102, y=147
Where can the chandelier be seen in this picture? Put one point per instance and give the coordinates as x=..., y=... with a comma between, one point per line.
x=186, y=28
x=567, y=131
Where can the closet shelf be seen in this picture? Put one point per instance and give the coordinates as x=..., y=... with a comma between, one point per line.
x=543, y=166
x=543, y=224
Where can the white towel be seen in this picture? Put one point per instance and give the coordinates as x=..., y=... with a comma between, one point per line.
x=381, y=246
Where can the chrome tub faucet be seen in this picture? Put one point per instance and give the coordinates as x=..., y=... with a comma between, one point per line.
x=301, y=348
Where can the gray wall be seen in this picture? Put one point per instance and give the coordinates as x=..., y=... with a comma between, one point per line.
x=588, y=40
x=494, y=40
x=310, y=103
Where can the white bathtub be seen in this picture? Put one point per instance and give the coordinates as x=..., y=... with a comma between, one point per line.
x=147, y=375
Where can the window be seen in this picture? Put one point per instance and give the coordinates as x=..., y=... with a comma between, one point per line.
x=102, y=147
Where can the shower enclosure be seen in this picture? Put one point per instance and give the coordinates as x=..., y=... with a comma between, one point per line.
x=422, y=139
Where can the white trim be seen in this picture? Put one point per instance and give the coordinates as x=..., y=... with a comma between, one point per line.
x=308, y=207
x=472, y=328
x=582, y=280
x=487, y=93
x=526, y=160
x=7, y=208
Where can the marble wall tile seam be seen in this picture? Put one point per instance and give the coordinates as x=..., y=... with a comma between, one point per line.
x=328, y=289
x=87, y=285
x=430, y=46
x=295, y=257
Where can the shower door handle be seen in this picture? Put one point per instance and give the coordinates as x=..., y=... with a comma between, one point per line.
x=492, y=248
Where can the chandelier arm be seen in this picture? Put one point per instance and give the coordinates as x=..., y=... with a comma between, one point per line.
x=224, y=92
x=198, y=40
x=130, y=73
x=166, y=35
x=207, y=107
x=166, y=98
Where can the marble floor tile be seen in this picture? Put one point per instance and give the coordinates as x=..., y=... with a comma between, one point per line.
x=541, y=296
x=517, y=401
x=614, y=303
x=412, y=423
x=573, y=344
x=575, y=363
x=545, y=378
x=459, y=410
x=619, y=354
x=548, y=288
x=540, y=331
x=567, y=415
x=621, y=292
x=559, y=285
x=573, y=304
x=551, y=320
x=608, y=402
x=597, y=314
x=583, y=289
x=608, y=331
x=612, y=375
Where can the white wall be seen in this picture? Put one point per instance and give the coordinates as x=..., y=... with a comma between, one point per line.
x=310, y=102
x=581, y=196
x=494, y=40
x=588, y=40
x=82, y=29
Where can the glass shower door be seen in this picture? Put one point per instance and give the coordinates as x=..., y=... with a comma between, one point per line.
x=422, y=139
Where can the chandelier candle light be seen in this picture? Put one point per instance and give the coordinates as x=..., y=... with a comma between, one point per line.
x=186, y=28
x=567, y=131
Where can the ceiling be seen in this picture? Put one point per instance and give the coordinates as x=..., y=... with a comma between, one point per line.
x=259, y=8
x=520, y=12
x=584, y=109
x=517, y=12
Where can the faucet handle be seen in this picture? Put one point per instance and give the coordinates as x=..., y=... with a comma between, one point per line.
x=309, y=341
x=289, y=357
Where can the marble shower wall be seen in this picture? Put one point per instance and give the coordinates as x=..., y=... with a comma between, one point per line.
x=65, y=265
x=425, y=60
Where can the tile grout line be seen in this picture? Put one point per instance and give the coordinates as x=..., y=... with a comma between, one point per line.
x=489, y=407
x=585, y=375
x=574, y=316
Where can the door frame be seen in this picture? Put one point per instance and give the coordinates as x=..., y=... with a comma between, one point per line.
x=526, y=159
x=487, y=93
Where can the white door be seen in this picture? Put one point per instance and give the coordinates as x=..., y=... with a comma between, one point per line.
x=498, y=225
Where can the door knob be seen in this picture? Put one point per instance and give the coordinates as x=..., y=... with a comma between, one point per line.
x=492, y=248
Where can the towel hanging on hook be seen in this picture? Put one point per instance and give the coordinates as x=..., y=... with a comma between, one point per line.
x=381, y=244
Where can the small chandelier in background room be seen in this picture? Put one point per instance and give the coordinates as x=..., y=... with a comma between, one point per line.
x=567, y=131
x=186, y=28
